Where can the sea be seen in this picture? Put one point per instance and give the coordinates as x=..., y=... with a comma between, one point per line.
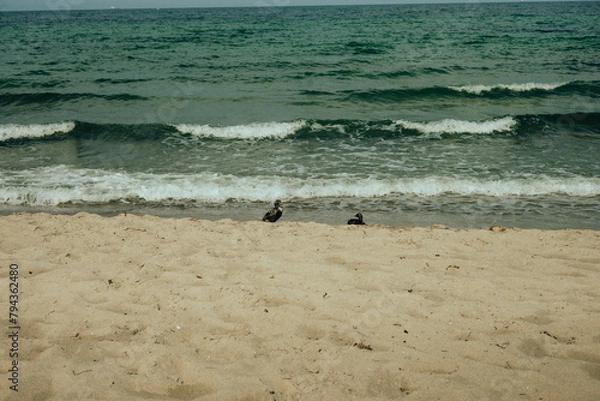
x=467, y=115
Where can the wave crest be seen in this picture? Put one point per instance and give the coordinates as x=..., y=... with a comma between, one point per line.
x=248, y=131
x=450, y=126
x=526, y=87
x=15, y=131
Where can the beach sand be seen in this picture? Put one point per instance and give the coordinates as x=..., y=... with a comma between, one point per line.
x=146, y=308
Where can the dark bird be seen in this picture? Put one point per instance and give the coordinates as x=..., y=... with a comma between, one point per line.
x=357, y=220
x=274, y=214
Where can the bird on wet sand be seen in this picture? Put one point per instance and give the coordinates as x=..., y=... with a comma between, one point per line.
x=274, y=214
x=358, y=219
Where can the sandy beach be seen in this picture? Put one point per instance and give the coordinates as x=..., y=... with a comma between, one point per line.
x=146, y=308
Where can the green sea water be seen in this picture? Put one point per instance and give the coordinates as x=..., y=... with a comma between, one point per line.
x=468, y=115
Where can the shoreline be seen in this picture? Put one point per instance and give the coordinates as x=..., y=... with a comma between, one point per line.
x=145, y=307
x=253, y=211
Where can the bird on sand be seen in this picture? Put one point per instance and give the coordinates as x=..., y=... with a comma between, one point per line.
x=358, y=219
x=274, y=214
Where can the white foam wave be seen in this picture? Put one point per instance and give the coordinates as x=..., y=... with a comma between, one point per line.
x=249, y=131
x=53, y=186
x=479, y=89
x=450, y=126
x=14, y=131
x=334, y=127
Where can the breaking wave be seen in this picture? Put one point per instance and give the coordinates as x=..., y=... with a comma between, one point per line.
x=51, y=186
x=15, y=131
x=450, y=126
x=526, y=87
x=249, y=131
x=299, y=129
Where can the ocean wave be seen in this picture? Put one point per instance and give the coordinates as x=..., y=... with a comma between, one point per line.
x=53, y=97
x=450, y=126
x=248, y=131
x=15, y=131
x=329, y=130
x=526, y=87
x=393, y=95
x=494, y=92
x=51, y=186
x=343, y=128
